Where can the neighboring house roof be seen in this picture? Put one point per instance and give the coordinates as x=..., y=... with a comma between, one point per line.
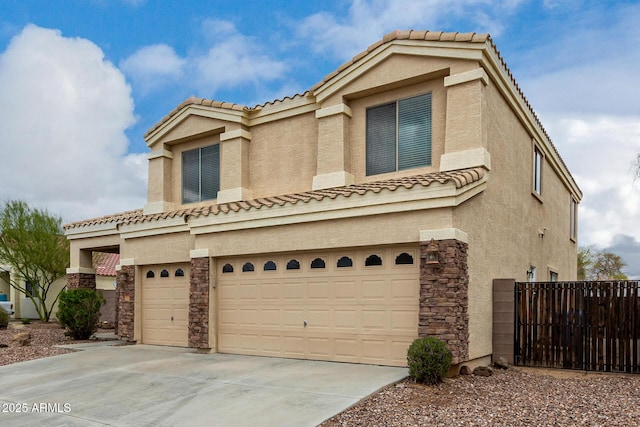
x=105, y=263
x=460, y=178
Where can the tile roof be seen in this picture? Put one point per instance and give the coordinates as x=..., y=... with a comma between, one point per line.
x=105, y=263
x=390, y=37
x=460, y=178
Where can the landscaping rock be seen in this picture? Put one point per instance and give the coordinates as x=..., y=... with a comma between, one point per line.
x=23, y=338
x=107, y=325
x=465, y=370
x=501, y=363
x=483, y=371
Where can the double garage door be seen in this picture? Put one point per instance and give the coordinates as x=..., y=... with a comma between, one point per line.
x=353, y=306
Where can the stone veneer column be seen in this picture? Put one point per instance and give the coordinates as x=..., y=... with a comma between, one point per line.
x=125, y=299
x=444, y=303
x=81, y=280
x=199, y=303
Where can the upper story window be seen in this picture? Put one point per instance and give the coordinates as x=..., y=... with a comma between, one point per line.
x=537, y=170
x=200, y=174
x=573, y=221
x=399, y=135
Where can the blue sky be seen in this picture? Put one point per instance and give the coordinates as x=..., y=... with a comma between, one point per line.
x=81, y=81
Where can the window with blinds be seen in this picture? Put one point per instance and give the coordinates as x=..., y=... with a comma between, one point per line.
x=200, y=174
x=399, y=135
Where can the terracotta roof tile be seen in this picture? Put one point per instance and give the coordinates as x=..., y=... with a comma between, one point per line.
x=105, y=263
x=460, y=178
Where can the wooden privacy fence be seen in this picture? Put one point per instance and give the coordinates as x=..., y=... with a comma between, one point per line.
x=591, y=326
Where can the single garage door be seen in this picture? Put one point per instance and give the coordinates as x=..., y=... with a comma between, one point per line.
x=356, y=306
x=165, y=304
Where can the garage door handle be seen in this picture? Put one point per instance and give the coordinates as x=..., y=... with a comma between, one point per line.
x=172, y=318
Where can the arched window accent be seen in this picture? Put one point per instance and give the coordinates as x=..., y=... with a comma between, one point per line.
x=150, y=274
x=179, y=273
x=247, y=267
x=318, y=263
x=270, y=266
x=345, y=261
x=373, y=260
x=404, y=258
x=227, y=268
x=164, y=273
x=293, y=265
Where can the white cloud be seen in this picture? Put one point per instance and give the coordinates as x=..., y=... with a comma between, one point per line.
x=366, y=21
x=153, y=66
x=64, y=111
x=599, y=151
x=225, y=59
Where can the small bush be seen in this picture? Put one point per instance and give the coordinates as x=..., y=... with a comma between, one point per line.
x=4, y=318
x=25, y=320
x=79, y=312
x=429, y=360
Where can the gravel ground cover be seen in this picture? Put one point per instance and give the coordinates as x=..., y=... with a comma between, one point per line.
x=513, y=397
x=44, y=338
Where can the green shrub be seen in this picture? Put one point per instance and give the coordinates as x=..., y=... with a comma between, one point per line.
x=4, y=318
x=429, y=360
x=79, y=312
x=25, y=320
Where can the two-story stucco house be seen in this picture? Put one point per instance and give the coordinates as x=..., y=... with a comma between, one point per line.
x=343, y=223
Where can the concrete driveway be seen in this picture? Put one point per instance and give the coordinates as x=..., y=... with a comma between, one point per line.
x=164, y=386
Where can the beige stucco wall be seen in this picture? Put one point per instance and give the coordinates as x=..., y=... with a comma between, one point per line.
x=399, y=227
x=283, y=156
x=503, y=223
x=167, y=248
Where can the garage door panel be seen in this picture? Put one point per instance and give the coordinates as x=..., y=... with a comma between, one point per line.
x=354, y=314
x=249, y=317
x=270, y=291
x=374, y=290
x=374, y=319
x=404, y=320
x=345, y=290
x=404, y=289
x=294, y=345
x=319, y=292
x=270, y=317
x=293, y=317
x=346, y=319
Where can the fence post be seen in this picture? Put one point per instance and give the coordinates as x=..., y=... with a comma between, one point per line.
x=504, y=319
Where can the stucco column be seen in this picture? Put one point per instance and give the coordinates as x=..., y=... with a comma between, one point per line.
x=466, y=126
x=334, y=160
x=444, y=302
x=234, y=166
x=199, y=302
x=159, y=191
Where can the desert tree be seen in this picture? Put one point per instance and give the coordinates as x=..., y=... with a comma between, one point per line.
x=594, y=264
x=35, y=251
